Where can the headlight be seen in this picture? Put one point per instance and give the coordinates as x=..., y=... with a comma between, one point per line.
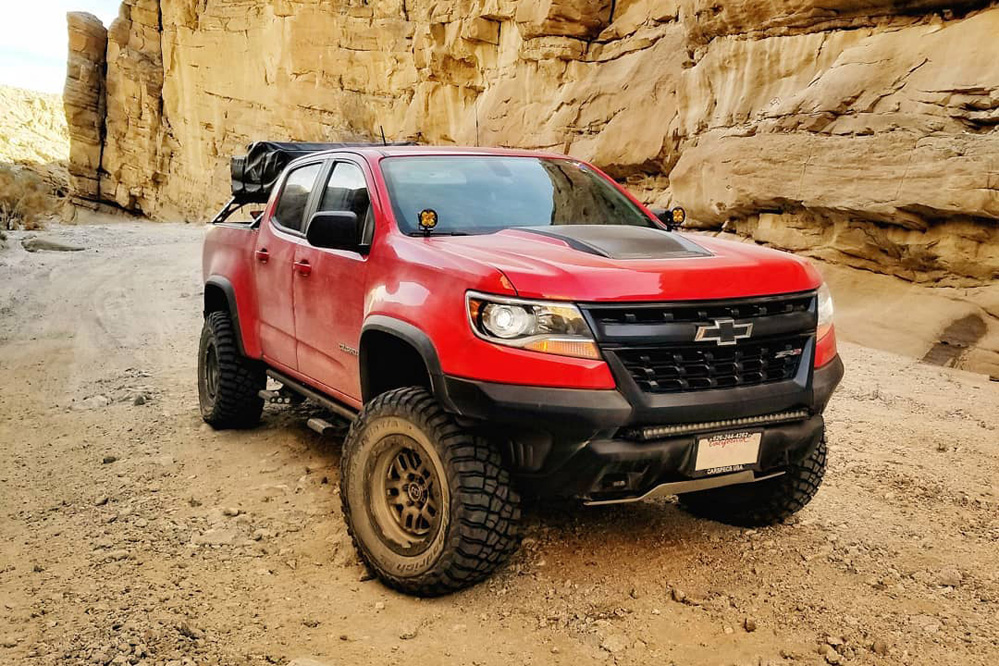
x=547, y=327
x=507, y=321
x=825, y=310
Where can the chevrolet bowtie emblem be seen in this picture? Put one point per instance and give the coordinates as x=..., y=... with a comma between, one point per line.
x=723, y=332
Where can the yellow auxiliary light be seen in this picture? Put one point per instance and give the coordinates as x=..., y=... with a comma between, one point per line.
x=428, y=219
x=679, y=216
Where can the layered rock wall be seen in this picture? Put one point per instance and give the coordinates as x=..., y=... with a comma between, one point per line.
x=84, y=101
x=859, y=130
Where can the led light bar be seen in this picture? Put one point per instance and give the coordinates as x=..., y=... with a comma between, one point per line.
x=659, y=432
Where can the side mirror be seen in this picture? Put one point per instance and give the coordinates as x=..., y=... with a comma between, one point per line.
x=334, y=230
x=673, y=218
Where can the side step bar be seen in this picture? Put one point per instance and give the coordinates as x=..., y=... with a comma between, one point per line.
x=324, y=400
x=680, y=487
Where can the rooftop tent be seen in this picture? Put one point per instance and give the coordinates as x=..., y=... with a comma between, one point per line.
x=255, y=174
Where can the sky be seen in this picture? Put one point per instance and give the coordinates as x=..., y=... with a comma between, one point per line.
x=33, y=41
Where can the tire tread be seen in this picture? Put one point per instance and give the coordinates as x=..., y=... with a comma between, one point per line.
x=237, y=403
x=485, y=530
x=766, y=503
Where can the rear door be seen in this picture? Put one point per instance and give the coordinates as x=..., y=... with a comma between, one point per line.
x=329, y=299
x=274, y=258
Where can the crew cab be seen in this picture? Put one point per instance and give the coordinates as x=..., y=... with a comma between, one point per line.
x=498, y=324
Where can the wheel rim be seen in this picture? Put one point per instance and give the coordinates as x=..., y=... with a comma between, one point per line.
x=212, y=372
x=405, y=496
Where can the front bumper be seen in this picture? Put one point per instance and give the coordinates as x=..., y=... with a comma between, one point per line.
x=617, y=469
x=574, y=442
x=589, y=412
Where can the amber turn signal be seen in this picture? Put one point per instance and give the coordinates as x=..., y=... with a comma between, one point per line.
x=576, y=348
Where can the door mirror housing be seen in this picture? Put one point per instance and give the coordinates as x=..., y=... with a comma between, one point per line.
x=334, y=230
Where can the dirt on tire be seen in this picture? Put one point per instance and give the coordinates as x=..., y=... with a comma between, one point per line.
x=763, y=503
x=228, y=383
x=480, y=525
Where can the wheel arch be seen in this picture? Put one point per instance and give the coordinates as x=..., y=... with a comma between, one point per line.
x=220, y=295
x=395, y=354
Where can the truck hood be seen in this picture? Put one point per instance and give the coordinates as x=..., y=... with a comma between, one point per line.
x=594, y=263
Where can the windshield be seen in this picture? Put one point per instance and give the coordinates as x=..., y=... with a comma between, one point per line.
x=479, y=194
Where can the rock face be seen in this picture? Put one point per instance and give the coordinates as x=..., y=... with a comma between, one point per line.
x=137, y=136
x=863, y=131
x=34, y=151
x=84, y=101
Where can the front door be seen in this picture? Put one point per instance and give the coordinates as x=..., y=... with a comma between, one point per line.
x=274, y=258
x=329, y=294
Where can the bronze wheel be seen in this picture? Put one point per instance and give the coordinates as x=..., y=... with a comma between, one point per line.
x=408, y=483
x=429, y=506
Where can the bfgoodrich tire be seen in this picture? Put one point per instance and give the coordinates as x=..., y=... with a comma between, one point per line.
x=429, y=506
x=228, y=382
x=766, y=502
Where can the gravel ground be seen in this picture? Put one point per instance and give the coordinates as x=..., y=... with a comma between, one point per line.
x=131, y=533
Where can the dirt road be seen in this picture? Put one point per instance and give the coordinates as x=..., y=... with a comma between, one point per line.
x=130, y=533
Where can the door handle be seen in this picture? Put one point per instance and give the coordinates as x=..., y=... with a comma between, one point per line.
x=303, y=268
x=263, y=255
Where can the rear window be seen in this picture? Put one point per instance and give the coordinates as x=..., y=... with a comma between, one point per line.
x=290, y=210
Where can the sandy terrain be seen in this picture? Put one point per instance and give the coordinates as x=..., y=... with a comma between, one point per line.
x=133, y=534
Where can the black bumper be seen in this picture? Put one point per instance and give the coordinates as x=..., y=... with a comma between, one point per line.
x=573, y=442
x=589, y=412
x=604, y=470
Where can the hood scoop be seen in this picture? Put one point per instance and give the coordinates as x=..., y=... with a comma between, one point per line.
x=622, y=242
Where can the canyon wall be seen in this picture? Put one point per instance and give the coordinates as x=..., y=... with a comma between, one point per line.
x=861, y=131
x=84, y=101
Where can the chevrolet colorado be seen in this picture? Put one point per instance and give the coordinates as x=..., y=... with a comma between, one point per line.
x=502, y=323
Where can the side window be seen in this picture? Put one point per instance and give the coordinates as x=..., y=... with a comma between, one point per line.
x=347, y=191
x=290, y=211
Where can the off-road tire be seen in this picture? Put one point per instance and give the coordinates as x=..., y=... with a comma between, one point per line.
x=229, y=400
x=478, y=527
x=765, y=502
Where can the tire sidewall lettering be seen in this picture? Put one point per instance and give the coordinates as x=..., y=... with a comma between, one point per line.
x=369, y=442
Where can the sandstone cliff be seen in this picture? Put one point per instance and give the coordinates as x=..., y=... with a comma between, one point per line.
x=83, y=98
x=858, y=130
x=32, y=128
x=34, y=147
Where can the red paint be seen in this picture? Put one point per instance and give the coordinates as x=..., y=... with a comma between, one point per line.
x=299, y=320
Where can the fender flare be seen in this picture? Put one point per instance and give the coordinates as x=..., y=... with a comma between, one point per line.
x=229, y=291
x=415, y=338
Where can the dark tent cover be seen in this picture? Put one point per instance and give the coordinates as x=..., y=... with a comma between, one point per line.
x=255, y=174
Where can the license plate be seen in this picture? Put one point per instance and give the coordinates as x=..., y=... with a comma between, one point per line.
x=727, y=452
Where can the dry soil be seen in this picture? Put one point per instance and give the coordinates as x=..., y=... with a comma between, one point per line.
x=131, y=533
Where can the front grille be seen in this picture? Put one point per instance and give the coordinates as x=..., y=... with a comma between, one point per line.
x=702, y=345
x=694, y=367
x=703, y=311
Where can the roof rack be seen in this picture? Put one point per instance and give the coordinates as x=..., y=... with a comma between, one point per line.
x=255, y=174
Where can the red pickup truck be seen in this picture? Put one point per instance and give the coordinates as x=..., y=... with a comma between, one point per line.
x=499, y=324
